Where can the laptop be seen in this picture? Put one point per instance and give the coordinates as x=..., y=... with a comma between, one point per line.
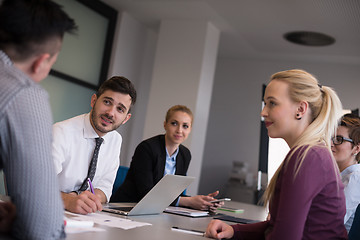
x=156, y=200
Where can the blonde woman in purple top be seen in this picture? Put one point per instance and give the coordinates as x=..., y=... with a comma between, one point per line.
x=305, y=196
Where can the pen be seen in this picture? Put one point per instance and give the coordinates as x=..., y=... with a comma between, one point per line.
x=91, y=186
x=191, y=231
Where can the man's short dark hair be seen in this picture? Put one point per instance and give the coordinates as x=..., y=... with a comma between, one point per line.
x=26, y=25
x=118, y=84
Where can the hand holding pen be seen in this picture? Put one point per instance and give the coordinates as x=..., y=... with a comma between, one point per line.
x=91, y=187
x=84, y=203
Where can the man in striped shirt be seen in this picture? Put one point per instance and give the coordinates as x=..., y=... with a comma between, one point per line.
x=31, y=33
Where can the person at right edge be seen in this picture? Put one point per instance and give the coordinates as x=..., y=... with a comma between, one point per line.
x=31, y=33
x=305, y=196
x=346, y=147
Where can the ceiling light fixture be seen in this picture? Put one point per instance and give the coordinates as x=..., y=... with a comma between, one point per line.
x=307, y=38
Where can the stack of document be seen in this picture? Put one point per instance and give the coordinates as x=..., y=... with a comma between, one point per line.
x=186, y=211
x=107, y=220
x=229, y=209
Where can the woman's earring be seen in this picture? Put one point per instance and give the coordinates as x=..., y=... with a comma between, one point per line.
x=298, y=117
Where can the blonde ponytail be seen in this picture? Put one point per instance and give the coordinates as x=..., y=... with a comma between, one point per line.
x=326, y=110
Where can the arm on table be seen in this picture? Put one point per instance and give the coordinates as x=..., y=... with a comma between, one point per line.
x=201, y=202
x=84, y=203
x=101, y=195
x=218, y=230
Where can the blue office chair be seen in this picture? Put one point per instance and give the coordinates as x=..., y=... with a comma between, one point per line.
x=120, y=177
x=354, y=233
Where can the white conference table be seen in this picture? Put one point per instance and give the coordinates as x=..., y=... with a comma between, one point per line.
x=162, y=223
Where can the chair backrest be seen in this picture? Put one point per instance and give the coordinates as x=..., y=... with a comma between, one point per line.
x=354, y=233
x=120, y=177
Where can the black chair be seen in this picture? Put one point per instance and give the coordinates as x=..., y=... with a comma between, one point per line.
x=354, y=233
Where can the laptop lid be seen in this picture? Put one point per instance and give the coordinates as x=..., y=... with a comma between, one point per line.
x=158, y=198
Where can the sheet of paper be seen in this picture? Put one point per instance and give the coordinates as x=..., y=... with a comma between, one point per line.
x=70, y=230
x=78, y=228
x=108, y=220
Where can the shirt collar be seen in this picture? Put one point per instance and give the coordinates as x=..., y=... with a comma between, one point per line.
x=350, y=169
x=172, y=156
x=5, y=58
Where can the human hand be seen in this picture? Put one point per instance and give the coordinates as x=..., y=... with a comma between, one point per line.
x=200, y=202
x=7, y=216
x=214, y=194
x=218, y=230
x=101, y=195
x=217, y=204
x=84, y=203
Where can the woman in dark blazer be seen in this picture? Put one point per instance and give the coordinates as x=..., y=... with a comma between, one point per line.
x=160, y=155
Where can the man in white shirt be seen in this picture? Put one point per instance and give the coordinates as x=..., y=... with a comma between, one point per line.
x=74, y=143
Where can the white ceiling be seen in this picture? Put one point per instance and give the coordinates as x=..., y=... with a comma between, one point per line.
x=255, y=28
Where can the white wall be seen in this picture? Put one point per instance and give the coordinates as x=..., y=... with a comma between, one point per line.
x=234, y=125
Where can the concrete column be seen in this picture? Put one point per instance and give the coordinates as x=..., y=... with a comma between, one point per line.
x=183, y=73
x=133, y=56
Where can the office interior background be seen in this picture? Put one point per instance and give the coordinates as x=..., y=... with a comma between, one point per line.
x=213, y=56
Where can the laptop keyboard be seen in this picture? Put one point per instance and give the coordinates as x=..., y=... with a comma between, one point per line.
x=125, y=209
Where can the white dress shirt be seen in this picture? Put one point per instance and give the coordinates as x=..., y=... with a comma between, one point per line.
x=73, y=147
x=351, y=179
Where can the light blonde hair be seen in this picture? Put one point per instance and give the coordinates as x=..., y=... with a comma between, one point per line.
x=325, y=108
x=178, y=108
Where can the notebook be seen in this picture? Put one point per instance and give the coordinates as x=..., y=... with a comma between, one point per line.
x=186, y=211
x=235, y=219
x=156, y=200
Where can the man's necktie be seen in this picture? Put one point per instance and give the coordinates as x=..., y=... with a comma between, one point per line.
x=92, y=167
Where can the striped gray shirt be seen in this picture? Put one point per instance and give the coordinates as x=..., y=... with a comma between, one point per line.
x=25, y=155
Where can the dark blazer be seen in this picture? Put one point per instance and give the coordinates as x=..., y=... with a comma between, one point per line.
x=147, y=168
